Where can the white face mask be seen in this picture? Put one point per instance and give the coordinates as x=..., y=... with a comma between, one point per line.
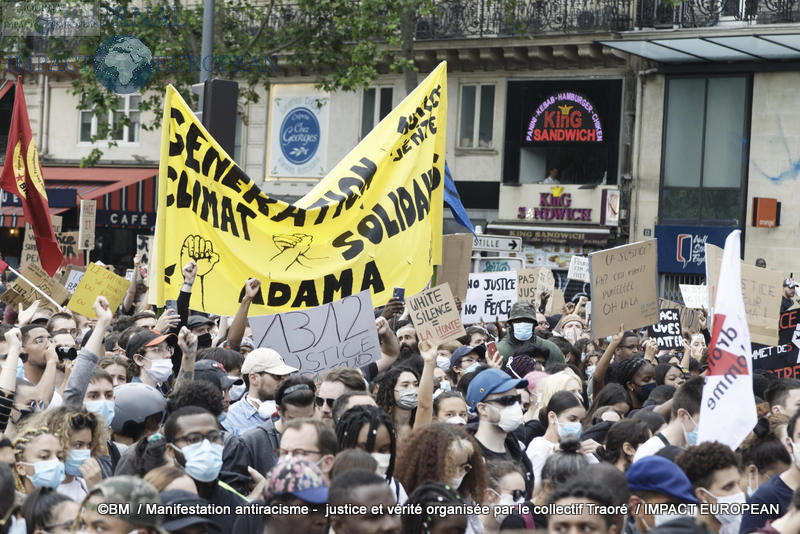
x=160, y=370
x=456, y=420
x=266, y=409
x=731, y=521
x=383, y=459
x=455, y=482
x=236, y=392
x=511, y=417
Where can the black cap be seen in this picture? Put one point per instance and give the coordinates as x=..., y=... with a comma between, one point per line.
x=197, y=320
x=214, y=372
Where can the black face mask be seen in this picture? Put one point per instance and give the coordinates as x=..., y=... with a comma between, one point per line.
x=204, y=341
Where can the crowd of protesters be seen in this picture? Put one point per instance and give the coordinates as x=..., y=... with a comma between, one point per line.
x=137, y=422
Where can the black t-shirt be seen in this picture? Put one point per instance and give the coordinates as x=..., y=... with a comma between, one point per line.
x=492, y=455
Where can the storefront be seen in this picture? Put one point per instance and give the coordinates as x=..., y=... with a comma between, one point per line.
x=126, y=202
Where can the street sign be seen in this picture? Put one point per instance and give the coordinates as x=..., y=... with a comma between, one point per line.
x=497, y=243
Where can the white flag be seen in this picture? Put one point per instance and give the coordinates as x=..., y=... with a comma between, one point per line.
x=728, y=409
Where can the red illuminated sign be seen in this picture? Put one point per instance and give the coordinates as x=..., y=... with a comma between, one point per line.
x=565, y=117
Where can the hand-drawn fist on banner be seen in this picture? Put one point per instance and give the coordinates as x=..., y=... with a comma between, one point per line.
x=291, y=247
x=201, y=251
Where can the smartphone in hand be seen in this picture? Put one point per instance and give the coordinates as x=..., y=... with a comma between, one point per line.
x=399, y=293
x=491, y=350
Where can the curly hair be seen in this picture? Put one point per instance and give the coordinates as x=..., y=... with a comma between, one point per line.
x=196, y=393
x=21, y=440
x=425, y=495
x=427, y=454
x=117, y=359
x=64, y=422
x=353, y=420
x=763, y=448
x=702, y=461
x=386, y=382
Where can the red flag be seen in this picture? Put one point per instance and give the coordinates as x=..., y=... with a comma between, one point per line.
x=22, y=176
x=3, y=266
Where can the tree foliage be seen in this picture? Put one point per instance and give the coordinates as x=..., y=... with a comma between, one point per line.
x=339, y=43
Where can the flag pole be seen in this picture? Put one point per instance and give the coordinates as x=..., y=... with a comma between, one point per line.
x=45, y=295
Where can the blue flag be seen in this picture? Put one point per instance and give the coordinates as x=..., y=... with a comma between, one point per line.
x=452, y=199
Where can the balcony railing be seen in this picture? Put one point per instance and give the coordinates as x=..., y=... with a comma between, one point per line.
x=705, y=13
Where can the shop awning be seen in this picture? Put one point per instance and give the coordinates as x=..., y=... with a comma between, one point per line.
x=754, y=48
x=127, y=189
x=13, y=217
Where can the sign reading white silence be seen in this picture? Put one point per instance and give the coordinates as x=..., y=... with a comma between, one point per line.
x=339, y=334
x=489, y=296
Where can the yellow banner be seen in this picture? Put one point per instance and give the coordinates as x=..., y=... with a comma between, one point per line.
x=374, y=222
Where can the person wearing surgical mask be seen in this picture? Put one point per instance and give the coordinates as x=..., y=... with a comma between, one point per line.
x=39, y=459
x=449, y=407
x=492, y=394
x=654, y=480
x=152, y=354
x=763, y=456
x=445, y=453
x=463, y=360
x=521, y=338
x=562, y=418
x=398, y=395
x=195, y=444
x=506, y=496
x=713, y=469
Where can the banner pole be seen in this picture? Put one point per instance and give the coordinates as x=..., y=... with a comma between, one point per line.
x=45, y=295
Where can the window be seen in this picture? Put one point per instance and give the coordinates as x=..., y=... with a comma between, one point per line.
x=376, y=105
x=237, y=143
x=705, y=149
x=477, y=116
x=127, y=106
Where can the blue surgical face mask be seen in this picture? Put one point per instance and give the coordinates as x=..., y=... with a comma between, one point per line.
x=590, y=370
x=570, y=428
x=750, y=489
x=47, y=473
x=203, y=460
x=691, y=437
x=523, y=331
x=472, y=367
x=221, y=417
x=102, y=407
x=444, y=385
x=18, y=525
x=75, y=459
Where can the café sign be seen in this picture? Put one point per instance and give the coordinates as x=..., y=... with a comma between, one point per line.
x=565, y=117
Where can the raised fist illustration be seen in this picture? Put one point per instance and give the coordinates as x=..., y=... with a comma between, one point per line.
x=201, y=251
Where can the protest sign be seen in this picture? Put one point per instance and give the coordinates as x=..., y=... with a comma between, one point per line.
x=578, y=268
x=497, y=264
x=555, y=303
x=97, y=281
x=624, y=287
x=490, y=296
x=689, y=317
x=435, y=316
x=782, y=359
x=72, y=277
x=339, y=334
x=20, y=292
x=454, y=270
x=86, y=223
x=144, y=244
x=761, y=291
x=30, y=254
x=531, y=283
x=68, y=243
x=374, y=222
x=667, y=331
x=694, y=296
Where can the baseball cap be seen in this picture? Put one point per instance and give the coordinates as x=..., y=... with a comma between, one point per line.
x=297, y=476
x=131, y=490
x=789, y=282
x=264, y=360
x=659, y=475
x=462, y=351
x=174, y=522
x=489, y=382
x=197, y=320
x=214, y=372
x=145, y=338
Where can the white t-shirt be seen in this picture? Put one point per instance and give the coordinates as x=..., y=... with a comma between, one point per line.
x=75, y=490
x=540, y=450
x=649, y=448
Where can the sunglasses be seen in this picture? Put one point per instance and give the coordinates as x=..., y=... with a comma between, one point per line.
x=507, y=400
x=319, y=401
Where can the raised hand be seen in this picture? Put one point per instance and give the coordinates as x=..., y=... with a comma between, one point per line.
x=251, y=288
x=24, y=315
x=201, y=251
x=14, y=339
x=168, y=320
x=187, y=341
x=102, y=310
x=427, y=351
x=189, y=272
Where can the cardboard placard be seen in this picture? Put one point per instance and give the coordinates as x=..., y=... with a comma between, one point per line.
x=30, y=254
x=531, y=283
x=97, y=281
x=490, y=296
x=762, y=290
x=690, y=317
x=68, y=243
x=624, y=287
x=556, y=303
x=435, y=316
x=455, y=267
x=72, y=277
x=578, y=268
x=694, y=296
x=667, y=331
x=339, y=334
x=20, y=292
x=86, y=224
x=782, y=359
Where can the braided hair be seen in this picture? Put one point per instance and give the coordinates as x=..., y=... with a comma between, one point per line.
x=626, y=370
x=353, y=420
x=427, y=495
x=20, y=443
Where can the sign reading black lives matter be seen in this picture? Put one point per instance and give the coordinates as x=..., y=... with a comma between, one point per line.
x=667, y=331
